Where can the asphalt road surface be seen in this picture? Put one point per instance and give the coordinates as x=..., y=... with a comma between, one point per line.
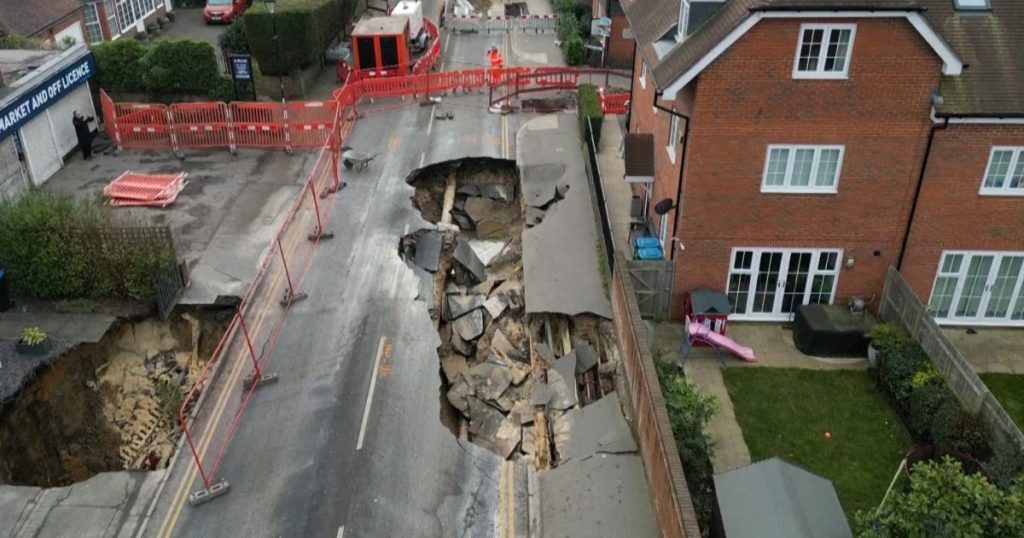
x=350, y=442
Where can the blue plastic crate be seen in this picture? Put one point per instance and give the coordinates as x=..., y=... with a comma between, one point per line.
x=649, y=253
x=648, y=241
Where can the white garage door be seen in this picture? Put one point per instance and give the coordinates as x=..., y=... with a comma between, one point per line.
x=74, y=32
x=12, y=178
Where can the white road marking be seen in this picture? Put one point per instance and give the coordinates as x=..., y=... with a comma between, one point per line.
x=341, y=531
x=369, y=396
x=423, y=157
x=405, y=230
x=430, y=124
x=447, y=39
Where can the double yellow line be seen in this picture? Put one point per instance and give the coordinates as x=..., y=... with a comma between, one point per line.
x=178, y=501
x=507, y=500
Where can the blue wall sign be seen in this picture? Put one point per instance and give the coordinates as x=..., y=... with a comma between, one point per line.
x=18, y=113
x=241, y=67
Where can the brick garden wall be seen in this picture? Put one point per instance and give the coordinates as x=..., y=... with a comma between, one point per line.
x=901, y=306
x=670, y=497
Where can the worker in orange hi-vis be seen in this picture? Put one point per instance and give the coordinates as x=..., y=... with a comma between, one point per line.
x=495, y=57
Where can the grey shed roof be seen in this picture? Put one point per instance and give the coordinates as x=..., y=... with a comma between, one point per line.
x=775, y=499
x=707, y=301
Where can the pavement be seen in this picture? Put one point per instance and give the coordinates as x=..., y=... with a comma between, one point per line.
x=106, y=505
x=617, y=192
x=58, y=326
x=561, y=269
x=224, y=219
x=990, y=349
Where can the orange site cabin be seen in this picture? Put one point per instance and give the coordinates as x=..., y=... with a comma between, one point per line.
x=381, y=45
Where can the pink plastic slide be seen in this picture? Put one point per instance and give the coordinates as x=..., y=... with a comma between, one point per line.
x=699, y=331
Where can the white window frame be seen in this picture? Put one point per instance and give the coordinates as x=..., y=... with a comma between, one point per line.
x=672, y=144
x=643, y=74
x=110, y=9
x=684, y=20
x=819, y=72
x=1016, y=159
x=786, y=187
x=92, y=25
x=753, y=271
x=959, y=275
x=663, y=232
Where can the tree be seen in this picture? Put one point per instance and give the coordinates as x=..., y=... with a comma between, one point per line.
x=945, y=502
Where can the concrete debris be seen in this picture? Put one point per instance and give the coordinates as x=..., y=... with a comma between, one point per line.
x=497, y=191
x=454, y=289
x=586, y=357
x=519, y=371
x=523, y=410
x=453, y=367
x=495, y=307
x=490, y=218
x=425, y=291
x=501, y=345
x=545, y=353
x=463, y=220
x=461, y=346
x=563, y=394
x=469, y=189
x=566, y=367
x=599, y=428
x=457, y=306
x=470, y=326
x=488, y=381
x=561, y=426
x=493, y=430
x=488, y=249
x=467, y=258
x=428, y=250
x=459, y=204
x=459, y=395
x=541, y=395
x=484, y=288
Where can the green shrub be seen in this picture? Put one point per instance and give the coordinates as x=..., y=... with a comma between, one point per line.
x=689, y=411
x=305, y=29
x=54, y=247
x=234, y=39
x=20, y=42
x=568, y=26
x=886, y=335
x=33, y=336
x=1006, y=463
x=574, y=50
x=119, y=65
x=564, y=6
x=897, y=366
x=180, y=66
x=589, y=109
x=921, y=407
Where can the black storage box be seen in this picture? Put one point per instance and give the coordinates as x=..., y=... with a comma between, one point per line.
x=831, y=331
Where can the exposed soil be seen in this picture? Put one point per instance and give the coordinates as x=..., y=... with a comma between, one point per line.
x=106, y=406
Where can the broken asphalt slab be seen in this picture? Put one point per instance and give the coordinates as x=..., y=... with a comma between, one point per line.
x=428, y=250
x=560, y=254
x=468, y=259
x=598, y=428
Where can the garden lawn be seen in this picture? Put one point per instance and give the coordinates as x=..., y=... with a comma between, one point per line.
x=785, y=412
x=1009, y=390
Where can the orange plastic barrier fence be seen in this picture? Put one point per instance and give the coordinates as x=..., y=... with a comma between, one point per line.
x=201, y=125
x=614, y=103
x=259, y=125
x=109, y=117
x=310, y=122
x=142, y=126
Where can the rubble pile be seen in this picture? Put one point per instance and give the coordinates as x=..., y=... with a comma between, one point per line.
x=515, y=393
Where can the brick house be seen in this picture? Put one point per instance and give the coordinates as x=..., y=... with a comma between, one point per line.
x=49, y=20
x=106, y=20
x=619, y=47
x=800, y=152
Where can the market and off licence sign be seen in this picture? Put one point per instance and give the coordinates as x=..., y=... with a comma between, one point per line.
x=16, y=114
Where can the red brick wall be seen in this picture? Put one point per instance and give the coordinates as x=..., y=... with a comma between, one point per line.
x=620, y=49
x=49, y=33
x=747, y=99
x=951, y=215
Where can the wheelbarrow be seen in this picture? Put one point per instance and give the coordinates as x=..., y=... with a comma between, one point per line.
x=351, y=158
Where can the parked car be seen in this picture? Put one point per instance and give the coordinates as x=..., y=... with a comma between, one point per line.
x=223, y=11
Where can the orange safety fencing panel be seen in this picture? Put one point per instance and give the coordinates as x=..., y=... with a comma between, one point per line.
x=201, y=125
x=109, y=116
x=614, y=103
x=310, y=122
x=143, y=126
x=259, y=125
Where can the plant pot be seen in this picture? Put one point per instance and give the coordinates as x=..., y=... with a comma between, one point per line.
x=41, y=348
x=872, y=355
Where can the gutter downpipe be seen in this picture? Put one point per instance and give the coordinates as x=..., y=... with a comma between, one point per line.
x=632, y=84
x=917, y=189
x=682, y=166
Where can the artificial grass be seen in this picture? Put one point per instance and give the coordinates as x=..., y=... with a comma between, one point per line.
x=1009, y=390
x=785, y=412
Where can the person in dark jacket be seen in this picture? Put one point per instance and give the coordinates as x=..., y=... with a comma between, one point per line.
x=84, y=133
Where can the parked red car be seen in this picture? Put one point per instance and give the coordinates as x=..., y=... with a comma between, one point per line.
x=223, y=11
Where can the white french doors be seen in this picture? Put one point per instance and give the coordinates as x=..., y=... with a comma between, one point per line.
x=768, y=284
x=983, y=288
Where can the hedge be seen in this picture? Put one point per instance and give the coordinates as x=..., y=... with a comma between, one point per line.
x=166, y=68
x=305, y=29
x=55, y=247
x=589, y=109
x=931, y=412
